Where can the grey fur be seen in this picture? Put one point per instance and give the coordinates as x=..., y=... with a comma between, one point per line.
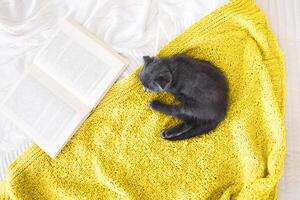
x=199, y=86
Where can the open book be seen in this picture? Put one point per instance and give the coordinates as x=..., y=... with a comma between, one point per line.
x=65, y=82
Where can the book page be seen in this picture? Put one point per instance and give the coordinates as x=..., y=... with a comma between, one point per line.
x=79, y=63
x=57, y=93
x=49, y=119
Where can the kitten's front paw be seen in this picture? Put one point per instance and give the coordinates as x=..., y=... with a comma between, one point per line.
x=154, y=104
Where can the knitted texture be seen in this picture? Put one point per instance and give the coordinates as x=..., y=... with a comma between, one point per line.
x=118, y=154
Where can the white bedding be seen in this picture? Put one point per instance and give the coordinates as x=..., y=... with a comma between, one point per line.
x=135, y=28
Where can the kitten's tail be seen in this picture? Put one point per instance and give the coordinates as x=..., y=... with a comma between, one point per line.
x=197, y=130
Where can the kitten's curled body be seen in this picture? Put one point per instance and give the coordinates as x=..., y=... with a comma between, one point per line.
x=200, y=87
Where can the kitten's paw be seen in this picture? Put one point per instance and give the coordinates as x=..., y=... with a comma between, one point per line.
x=154, y=104
x=165, y=135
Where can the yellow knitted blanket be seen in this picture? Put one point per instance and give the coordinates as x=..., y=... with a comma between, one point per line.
x=118, y=153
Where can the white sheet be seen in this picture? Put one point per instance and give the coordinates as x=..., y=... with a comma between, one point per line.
x=137, y=28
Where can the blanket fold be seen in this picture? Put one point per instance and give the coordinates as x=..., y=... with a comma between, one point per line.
x=118, y=154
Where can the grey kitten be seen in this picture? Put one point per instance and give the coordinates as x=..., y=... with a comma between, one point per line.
x=198, y=85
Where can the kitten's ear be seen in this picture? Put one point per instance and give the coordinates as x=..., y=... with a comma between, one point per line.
x=147, y=59
x=164, y=80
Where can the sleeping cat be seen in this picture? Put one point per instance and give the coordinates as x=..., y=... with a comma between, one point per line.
x=198, y=85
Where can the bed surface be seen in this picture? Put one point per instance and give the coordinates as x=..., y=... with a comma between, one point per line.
x=137, y=28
